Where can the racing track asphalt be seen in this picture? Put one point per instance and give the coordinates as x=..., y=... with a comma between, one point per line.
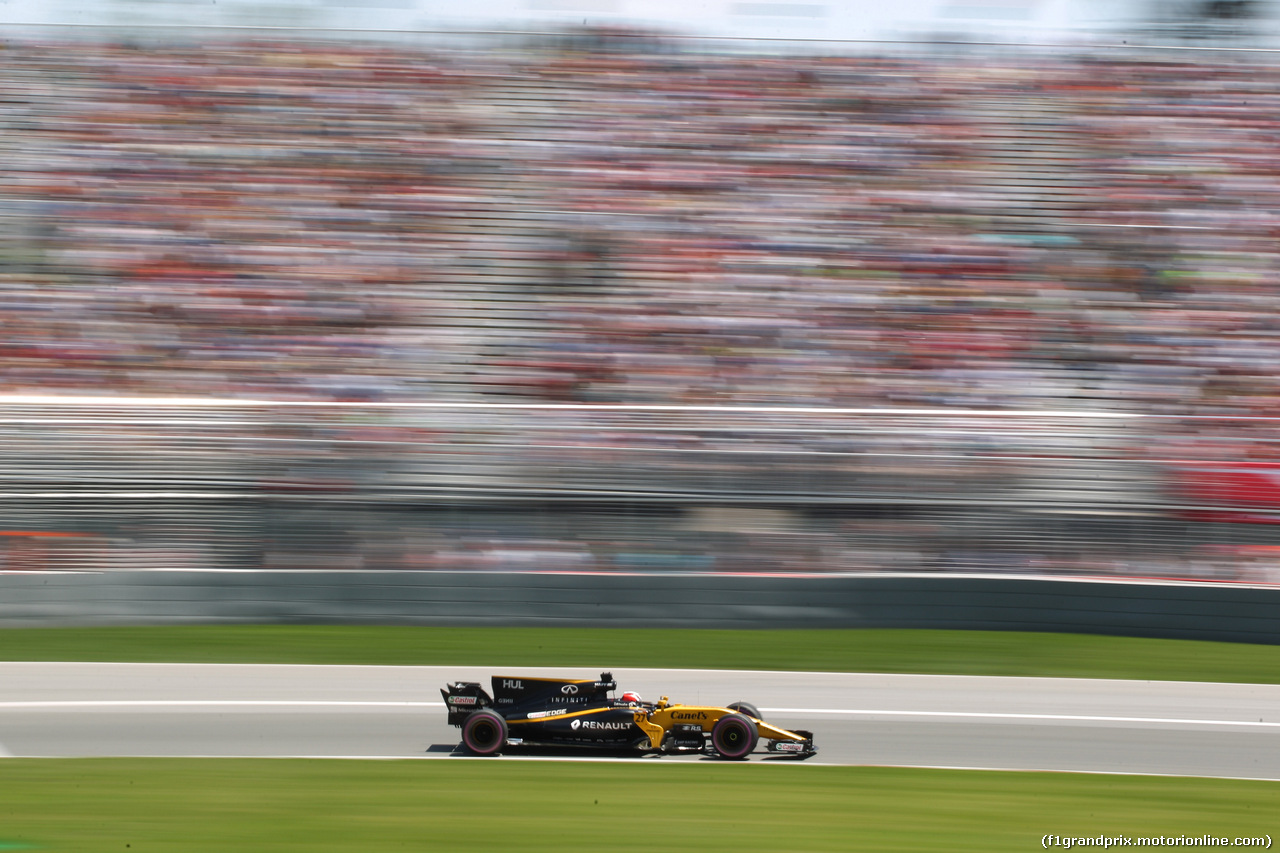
x=1178, y=728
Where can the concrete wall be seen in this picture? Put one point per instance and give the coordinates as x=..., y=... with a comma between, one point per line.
x=1197, y=611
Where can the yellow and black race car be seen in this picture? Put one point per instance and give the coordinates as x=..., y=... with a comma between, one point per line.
x=583, y=712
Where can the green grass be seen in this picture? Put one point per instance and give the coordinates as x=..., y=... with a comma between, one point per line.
x=948, y=652
x=148, y=805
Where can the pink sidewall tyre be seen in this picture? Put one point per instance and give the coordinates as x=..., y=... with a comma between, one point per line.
x=484, y=733
x=734, y=736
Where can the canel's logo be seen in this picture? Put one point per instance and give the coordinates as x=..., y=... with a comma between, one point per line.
x=575, y=725
x=569, y=688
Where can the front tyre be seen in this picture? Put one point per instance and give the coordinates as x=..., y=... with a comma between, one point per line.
x=484, y=732
x=734, y=736
x=745, y=708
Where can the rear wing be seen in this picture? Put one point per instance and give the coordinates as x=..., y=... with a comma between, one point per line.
x=463, y=697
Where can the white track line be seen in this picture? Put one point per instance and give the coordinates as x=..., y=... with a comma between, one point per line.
x=984, y=715
x=692, y=761
x=75, y=704
x=321, y=703
x=967, y=768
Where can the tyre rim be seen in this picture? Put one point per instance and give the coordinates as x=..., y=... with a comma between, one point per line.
x=484, y=734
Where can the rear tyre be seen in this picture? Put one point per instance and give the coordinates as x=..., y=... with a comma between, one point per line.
x=484, y=732
x=745, y=708
x=734, y=736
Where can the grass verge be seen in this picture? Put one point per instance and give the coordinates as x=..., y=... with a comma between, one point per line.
x=859, y=650
x=836, y=651
x=146, y=805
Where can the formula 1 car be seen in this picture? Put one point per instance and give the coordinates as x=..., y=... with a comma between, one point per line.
x=583, y=713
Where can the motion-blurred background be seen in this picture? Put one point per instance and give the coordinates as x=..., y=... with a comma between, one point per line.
x=595, y=285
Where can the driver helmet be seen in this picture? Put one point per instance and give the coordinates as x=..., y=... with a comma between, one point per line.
x=631, y=698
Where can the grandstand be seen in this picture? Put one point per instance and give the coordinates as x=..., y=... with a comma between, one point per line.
x=833, y=275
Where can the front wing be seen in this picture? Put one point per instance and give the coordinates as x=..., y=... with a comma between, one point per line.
x=686, y=725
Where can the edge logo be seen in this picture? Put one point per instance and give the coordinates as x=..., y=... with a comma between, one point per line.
x=555, y=712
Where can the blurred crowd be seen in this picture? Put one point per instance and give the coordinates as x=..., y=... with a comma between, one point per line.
x=341, y=222
x=646, y=222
